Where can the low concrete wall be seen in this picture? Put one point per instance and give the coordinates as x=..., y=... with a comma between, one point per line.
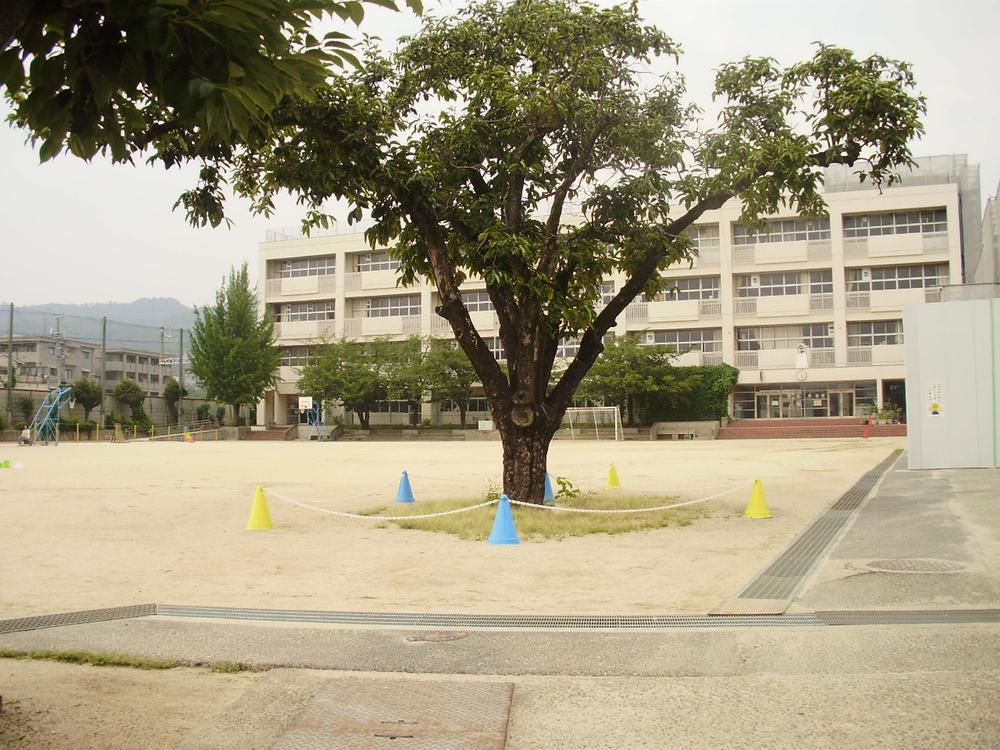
x=684, y=431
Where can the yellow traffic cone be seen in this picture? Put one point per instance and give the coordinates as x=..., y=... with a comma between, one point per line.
x=757, y=507
x=613, y=481
x=188, y=437
x=260, y=518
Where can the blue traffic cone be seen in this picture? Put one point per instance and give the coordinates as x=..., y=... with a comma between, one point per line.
x=503, y=525
x=549, y=498
x=404, y=494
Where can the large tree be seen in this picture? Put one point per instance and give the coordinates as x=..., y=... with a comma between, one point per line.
x=232, y=349
x=182, y=79
x=129, y=393
x=535, y=103
x=173, y=392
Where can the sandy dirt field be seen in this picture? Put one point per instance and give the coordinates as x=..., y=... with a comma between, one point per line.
x=88, y=526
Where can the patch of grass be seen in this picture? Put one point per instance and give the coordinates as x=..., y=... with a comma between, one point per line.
x=91, y=658
x=229, y=667
x=534, y=523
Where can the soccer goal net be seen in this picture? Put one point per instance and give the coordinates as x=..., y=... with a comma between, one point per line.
x=594, y=422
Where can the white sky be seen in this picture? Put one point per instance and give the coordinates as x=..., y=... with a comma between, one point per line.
x=76, y=232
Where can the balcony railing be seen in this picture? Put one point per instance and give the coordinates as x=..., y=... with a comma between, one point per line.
x=895, y=244
x=823, y=301
x=765, y=359
x=637, y=311
x=325, y=284
x=745, y=305
x=384, y=326
x=859, y=355
x=783, y=252
x=746, y=360
x=709, y=308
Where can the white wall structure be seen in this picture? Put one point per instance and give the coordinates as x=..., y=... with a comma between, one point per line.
x=953, y=384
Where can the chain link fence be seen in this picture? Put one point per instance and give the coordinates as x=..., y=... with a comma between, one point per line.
x=40, y=351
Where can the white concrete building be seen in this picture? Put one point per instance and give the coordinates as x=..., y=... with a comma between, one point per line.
x=809, y=311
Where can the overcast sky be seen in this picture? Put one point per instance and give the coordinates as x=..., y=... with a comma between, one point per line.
x=76, y=232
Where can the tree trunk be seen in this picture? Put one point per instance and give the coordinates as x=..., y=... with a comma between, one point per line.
x=461, y=416
x=525, y=453
x=362, y=418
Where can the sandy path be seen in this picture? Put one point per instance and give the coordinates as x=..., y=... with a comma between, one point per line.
x=86, y=526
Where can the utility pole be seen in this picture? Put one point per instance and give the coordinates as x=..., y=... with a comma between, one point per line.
x=104, y=366
x=10, y=367
x=180, y=377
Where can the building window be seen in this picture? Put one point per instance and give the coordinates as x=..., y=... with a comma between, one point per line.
x=477, y=404
x=813, y=335
x=376, y=262
x=821, y=282
x=391, y=407
x=607, y=291
x=769, y=284
x=294, y=311
x=692, y=287
x=85, y=353
x=896, y=222
x=68, y=375
x=875, y=333
x=783, y=230
x=496, y=347
x=144, y=361
x=321, y=266
x=477, y=301
x=130, y=359
x=703, y=339
x=896, y=277
x=392, y=307
x=297, y=356
x=568, y=348
x=704, y=236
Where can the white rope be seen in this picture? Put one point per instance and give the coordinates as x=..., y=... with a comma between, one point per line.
x=344, y=514
x=630, y=510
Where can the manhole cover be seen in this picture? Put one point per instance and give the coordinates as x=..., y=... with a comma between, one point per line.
x=914, y=566
x=436, y=637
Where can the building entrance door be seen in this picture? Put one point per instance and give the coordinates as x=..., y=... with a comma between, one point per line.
x=841, y=403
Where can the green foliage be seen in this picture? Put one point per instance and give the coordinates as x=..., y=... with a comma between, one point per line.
x=26, y=406
x=190, y=79
x=87, y=394
x=220, y=414
x=567, y=490
x=357, y=374
x=448, y=374
x=700, y=393
x=128, y=393
x=172, y=394
x=232, y=351
x=628, y=371
x=201, y=413
x=642, y=379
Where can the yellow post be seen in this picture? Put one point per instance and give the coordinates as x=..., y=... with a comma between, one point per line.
x=135, y=431
x=152, y=430
x=78, y=432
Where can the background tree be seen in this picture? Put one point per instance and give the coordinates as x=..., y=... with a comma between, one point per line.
x=128, y=393
x=232, y=350
x=189, y=79
x=172, y=394
x=540, y=102
x=87, y=393
x=405, y=374
x=26, y=406
x=353, y=374
x=627, y=371
x=449, y=375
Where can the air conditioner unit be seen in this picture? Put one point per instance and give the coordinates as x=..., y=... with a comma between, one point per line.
x=650, y=338
x=829, y=329
x=866, y=274
x=755, y=281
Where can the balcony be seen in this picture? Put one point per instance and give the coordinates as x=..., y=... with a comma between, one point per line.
x=369, y=280
x=782, y=252
x=696, y=357
x=880, y=354
x=673, y=311
x=896, y=245
x=299, y=285
x=889, y=300
x=401, y=325
x=776, y=306
x=707, y=257
x=771, y=359
x=305, y=329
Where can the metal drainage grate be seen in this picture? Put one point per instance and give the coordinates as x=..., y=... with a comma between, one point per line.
x=473, y=621
x=909, y=617
x=76, y=618
x=914, y=566
x=782, y=578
